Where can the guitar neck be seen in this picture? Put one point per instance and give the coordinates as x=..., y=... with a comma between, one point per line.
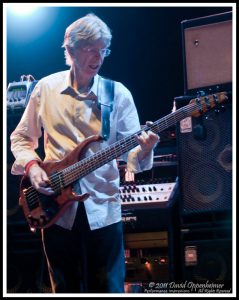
x=88, y=165
x=82, y=168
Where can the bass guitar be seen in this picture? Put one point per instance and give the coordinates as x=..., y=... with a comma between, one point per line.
x=42, y=211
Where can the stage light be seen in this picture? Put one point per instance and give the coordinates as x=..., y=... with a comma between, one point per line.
x=22, y=9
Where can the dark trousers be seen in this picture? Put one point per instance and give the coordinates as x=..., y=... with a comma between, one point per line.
x=85, y=261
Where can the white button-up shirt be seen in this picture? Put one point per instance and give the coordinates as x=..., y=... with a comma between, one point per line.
x=55, y=106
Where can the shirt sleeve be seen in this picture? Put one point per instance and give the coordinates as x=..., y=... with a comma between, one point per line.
x=128, y=124
x=135, y=165
x=24, y=139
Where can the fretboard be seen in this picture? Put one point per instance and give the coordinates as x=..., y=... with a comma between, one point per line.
x=89, y=164
x=100, y=158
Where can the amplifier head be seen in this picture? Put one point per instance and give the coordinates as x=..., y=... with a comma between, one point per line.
x=207, y=53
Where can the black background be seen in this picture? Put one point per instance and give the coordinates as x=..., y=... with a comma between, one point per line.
x=146, y=57
x=146, y=49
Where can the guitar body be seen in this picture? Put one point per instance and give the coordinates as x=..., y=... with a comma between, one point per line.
x=42, y=211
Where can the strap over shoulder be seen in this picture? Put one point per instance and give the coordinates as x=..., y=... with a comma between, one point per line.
x=105, y=100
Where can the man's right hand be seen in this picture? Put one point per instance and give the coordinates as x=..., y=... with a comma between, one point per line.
x=39, y=179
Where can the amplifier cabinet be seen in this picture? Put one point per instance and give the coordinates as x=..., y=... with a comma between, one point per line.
x=207, y=254
x=207, y=52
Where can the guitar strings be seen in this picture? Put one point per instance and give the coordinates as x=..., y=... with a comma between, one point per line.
x=115, y=150
x=118, y=149
x=128, y=143
x=120, y=146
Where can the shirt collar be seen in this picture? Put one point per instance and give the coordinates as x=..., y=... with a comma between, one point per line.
x=69, y=90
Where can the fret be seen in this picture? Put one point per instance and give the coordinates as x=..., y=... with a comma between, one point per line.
x=89, y=164
x=42, y=211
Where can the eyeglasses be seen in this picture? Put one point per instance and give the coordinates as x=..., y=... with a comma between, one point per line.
x=103, y=52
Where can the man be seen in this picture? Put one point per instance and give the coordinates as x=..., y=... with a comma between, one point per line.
x=84, y=248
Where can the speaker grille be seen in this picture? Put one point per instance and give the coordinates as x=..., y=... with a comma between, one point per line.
x=207, y=53
x=213, y=262
x=205, y=163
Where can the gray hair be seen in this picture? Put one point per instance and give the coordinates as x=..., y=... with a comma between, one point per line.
x=86, y=29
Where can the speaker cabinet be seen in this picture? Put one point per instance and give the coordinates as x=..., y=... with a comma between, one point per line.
x=205, y=162
x=207, y=255
x=207, y=52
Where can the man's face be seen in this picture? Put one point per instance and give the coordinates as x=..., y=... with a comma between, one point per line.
x=88, y=58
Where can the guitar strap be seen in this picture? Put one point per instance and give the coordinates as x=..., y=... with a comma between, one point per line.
x=105, y=97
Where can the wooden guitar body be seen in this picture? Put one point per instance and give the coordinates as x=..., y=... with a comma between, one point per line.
x=42, y=211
